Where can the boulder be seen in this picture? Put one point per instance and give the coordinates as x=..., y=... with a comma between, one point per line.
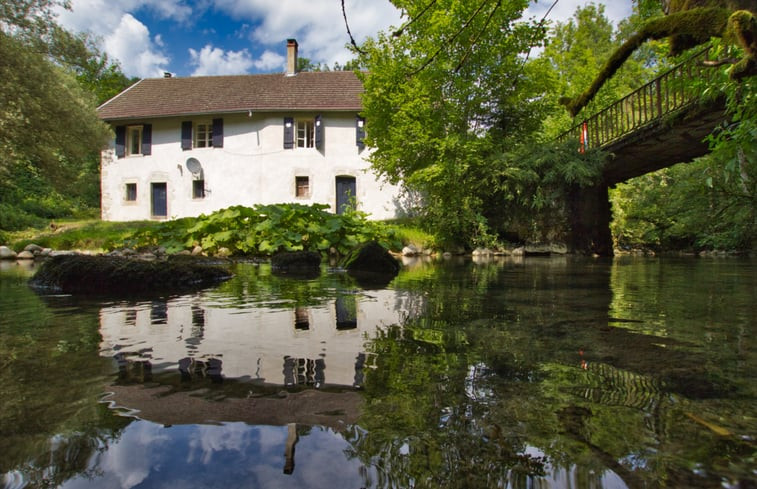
x=7, y=253
x=25, y=255
x=409, y=250
x=544, y=249
x=302, y=263
x=107, y=275
x=371, y=265
x=33, y=248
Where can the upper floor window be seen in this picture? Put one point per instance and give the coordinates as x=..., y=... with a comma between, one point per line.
x=203, y=135
x=305, y=133
x=133, y=140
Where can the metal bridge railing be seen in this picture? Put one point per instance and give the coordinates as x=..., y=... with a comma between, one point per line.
x=669, y=92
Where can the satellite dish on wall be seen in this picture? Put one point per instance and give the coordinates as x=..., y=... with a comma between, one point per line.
x=194, y=166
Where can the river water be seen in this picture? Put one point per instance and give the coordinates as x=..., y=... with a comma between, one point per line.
x=531, y=373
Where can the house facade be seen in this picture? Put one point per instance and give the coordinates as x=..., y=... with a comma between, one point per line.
x=190, y=146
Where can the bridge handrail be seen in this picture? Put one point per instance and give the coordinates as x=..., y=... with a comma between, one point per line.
x=664, y=95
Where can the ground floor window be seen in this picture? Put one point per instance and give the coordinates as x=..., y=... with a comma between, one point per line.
x=130, y=194
x=198, y=189
x=302, y=186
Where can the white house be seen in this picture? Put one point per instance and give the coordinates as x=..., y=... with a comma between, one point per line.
x=188, y=146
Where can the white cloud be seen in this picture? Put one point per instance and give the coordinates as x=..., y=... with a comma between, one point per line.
x=318, y=26
x=130, y=44
x=216, y=61
x=270, y=61
x=124, y=38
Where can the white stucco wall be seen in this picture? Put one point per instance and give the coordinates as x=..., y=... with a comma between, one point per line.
x=251, y=168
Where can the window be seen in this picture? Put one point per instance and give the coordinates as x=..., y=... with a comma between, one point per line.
x=133, y=140
x=131, y=192
x=198, y=189
x=203, y=135
x=302, y=186
x=305, y=134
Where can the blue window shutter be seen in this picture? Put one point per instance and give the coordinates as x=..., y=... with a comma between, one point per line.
x=318, y=131
x=186, y=135
x=146, y=139
x=360, y=132
x=120, y=141
x=288, y=132
x=218, y=133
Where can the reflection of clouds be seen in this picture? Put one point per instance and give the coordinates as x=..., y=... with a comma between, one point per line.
x=233, y=455
x=207, y=440
x=128, y=462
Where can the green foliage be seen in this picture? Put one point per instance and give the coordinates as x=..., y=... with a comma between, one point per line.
x=708, y=204
x=445, y=94
x=267, y=229
x=50, y=83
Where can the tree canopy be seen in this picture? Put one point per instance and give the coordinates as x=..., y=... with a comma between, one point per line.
x=50, y=136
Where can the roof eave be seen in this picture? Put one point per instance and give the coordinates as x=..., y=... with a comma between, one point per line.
x=232, y=111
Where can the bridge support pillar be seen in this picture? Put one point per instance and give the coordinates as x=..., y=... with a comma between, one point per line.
x=590, y=215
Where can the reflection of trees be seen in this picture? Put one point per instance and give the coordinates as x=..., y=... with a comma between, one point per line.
x=258, y=286
x=50, y=421
x=485, y=388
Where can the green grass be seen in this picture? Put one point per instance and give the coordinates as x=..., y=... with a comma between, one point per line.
x=90, y=234
x=97, y=236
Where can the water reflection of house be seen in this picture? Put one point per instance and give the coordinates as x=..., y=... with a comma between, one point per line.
x=319, y=345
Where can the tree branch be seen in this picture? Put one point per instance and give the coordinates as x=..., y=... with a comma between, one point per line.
x=346, y=24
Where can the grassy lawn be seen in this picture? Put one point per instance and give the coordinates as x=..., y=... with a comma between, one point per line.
x=89, y=234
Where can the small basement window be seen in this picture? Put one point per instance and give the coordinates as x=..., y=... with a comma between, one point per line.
x=198, y=189
x=131, y=192
x=302, y=186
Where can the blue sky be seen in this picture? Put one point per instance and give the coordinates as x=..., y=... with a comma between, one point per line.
x=221, y=37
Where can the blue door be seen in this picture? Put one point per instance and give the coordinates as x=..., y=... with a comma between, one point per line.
x=345, y=193
x=159, y=201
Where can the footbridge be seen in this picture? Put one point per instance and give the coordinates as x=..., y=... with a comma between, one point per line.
x=658, y=125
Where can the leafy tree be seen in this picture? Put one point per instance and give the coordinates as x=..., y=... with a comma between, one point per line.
x=446, y=94
x=50, y=83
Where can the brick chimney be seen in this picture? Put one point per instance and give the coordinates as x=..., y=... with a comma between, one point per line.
x=291, y=57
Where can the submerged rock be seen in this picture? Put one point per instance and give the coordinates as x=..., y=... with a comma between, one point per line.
x=118, y=275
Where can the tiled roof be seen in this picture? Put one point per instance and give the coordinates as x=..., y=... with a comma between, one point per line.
x=165, y=97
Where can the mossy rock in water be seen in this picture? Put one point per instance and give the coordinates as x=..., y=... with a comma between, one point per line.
x=297, y=263
x=371, y=264
x=117, y=275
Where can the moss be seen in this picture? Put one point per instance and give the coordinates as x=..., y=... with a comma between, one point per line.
x=105, y=275
x=692, y=26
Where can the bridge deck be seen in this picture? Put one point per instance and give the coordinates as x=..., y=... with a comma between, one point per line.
x=660, y=124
